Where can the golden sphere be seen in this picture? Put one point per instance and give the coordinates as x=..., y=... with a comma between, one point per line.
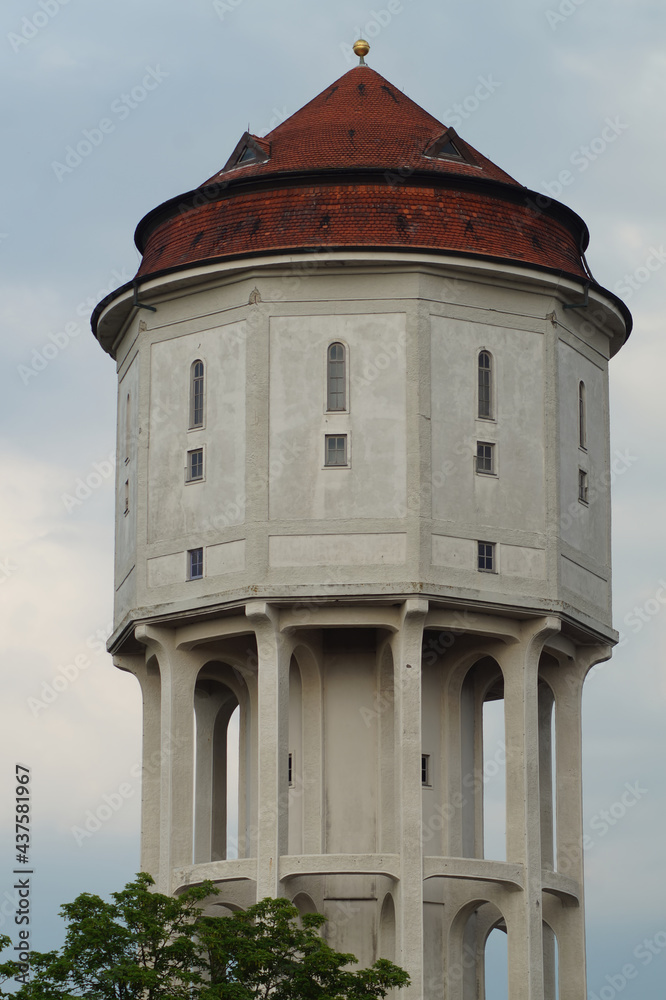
x=361, y=47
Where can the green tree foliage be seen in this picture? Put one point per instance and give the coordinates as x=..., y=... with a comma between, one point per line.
x=148, y=946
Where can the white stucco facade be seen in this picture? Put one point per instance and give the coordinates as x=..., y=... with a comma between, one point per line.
x=341, y=612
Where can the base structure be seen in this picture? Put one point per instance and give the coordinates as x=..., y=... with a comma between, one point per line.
x=360, y=779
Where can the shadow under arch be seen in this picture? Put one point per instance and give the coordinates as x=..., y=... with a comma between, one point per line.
x=468, y=936
x=305, y=749
x=477, y=681
x=386, y=944
x=219, y=691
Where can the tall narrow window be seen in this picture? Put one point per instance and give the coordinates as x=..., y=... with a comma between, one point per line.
x=194, y=564
x=582, y=416
x=582, y=486
x=197, y=394
x=336, y=377
x=127, y=430
x=425, y=769
x=485, y=385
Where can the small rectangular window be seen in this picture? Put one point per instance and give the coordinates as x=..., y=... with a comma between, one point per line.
x=485, y=458
x=290, y=768
x=486, y=557
x=425, y=768
x=582, y=486
x=195, y=564
x=335, y=450
x=195, y=465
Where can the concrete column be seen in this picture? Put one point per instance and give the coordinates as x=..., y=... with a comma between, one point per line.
x=206, y=708
x=546, y=707
x=566, y=681
x=148, y=677
x=520, y=665
x=178, y=675
x=407, y=643
x=273, y=651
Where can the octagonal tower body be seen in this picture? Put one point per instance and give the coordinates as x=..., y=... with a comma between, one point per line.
x=363, y=492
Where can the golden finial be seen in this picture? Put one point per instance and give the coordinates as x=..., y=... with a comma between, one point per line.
x=361, y=48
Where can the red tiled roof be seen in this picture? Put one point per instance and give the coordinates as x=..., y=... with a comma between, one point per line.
x=319, y=215
x=361, y=121
x=356, y=167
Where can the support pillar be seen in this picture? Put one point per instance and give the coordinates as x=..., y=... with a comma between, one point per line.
x=273, y=651
x=520, y=665
x=178, y=676
x=407, y=644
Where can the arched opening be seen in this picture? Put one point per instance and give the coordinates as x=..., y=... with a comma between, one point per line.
x=477, y=956
x=221, y=708
x=486, y=403
x=483, y=761
x=232, y=782
x=336, y=378
x=387, y=929
x=496, y=965
x=197, y=394
x=494, y=773
x=547, y=775
x=304, y=903
x=551, y=978
x=295, y=762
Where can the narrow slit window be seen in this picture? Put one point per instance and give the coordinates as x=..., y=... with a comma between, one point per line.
x=195, y=465
x=425, y=768
x=197, y=394
x=336, y=377
x=582, y=417
x=486, y=557
x=127, y=509
x=485, y=385
x=582, y=486
x=335, y=453
x=485, y=458
x=127, y=429
x=195, y=564
x=290, y=768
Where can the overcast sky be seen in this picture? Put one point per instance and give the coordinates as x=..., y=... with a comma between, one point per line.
x=574, y=92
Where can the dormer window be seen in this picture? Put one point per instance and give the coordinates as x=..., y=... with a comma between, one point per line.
x=449, y=146
x=250, y=149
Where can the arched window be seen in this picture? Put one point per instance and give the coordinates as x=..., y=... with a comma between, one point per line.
x=197, y=394
x=582, y=416
x=336, y=377
x=485, y=385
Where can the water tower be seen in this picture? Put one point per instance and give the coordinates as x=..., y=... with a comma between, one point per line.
x=363, y=494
